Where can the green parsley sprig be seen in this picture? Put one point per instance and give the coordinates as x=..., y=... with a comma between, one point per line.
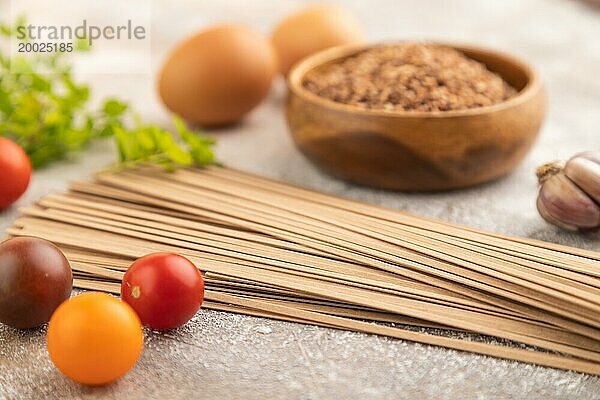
x=152, y=144
x=50, y=117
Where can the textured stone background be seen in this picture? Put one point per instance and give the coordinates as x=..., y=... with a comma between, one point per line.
x=221, y=355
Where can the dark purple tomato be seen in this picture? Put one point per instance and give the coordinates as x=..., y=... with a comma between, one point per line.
x=35, y=278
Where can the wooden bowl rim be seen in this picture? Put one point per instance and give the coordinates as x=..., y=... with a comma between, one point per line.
x=297, y=73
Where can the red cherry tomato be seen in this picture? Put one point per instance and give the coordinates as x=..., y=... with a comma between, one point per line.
x=15, y=172
x=165, y=290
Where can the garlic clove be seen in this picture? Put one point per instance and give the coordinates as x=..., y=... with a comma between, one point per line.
x=549, y=218
x=584, y=171
x=590, y=155
x=562, y=203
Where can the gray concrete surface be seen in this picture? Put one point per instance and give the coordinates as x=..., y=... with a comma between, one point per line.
x=226, y=356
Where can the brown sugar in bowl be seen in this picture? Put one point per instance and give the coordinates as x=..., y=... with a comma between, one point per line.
x=417, y=150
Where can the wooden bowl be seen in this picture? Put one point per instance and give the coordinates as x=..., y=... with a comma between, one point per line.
x=414, y=150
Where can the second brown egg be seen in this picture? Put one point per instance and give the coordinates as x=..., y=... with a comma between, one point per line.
x=313, y=29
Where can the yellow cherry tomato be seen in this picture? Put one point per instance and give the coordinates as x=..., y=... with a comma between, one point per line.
x=94, y=338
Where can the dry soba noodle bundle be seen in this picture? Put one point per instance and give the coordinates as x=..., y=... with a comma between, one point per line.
x=273, y=250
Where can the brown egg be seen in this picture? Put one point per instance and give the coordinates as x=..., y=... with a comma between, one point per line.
x=311, y=30
x=218, y=75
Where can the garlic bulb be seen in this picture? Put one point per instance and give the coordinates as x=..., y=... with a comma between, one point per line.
x=569, y=194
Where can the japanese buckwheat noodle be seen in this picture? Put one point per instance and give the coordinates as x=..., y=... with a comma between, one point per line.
x=274, y=250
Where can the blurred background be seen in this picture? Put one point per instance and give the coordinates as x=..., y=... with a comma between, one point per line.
x=560, y=38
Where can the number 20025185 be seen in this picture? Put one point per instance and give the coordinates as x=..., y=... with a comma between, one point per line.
x=45, y=47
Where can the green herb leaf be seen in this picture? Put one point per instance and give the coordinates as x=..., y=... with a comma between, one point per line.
x=152, y=144
x=49, y=116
